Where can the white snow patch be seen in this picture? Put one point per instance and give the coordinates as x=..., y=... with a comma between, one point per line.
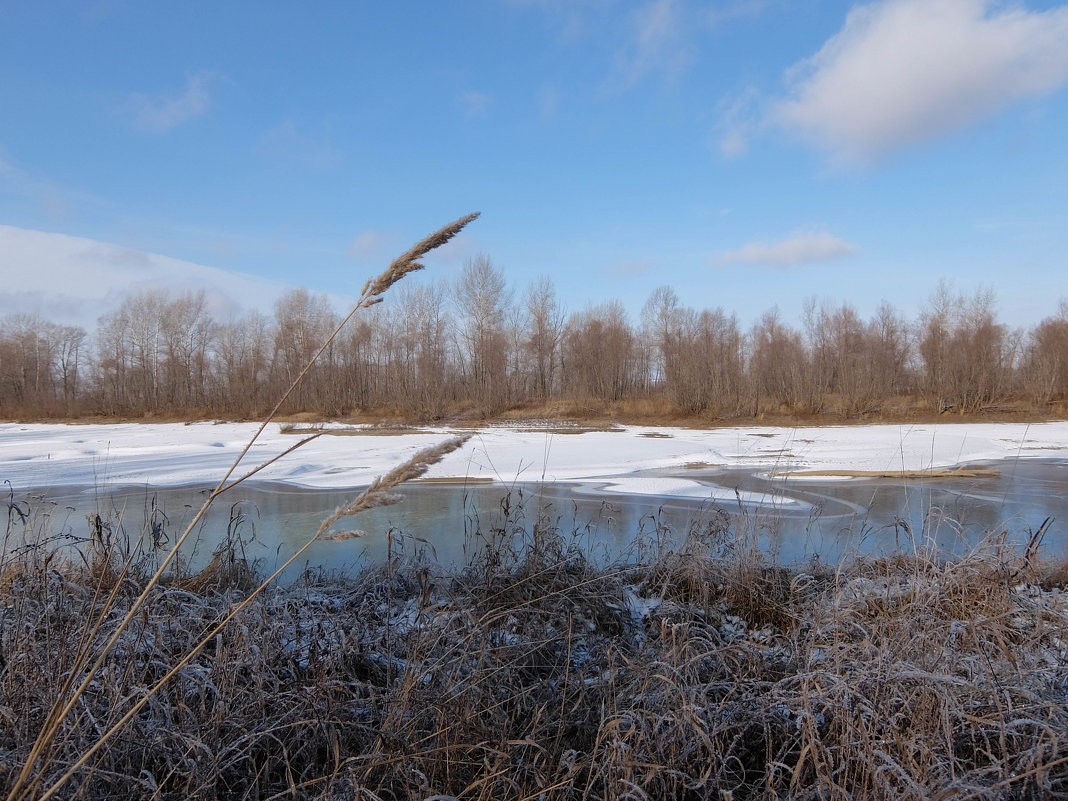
x=43, y=455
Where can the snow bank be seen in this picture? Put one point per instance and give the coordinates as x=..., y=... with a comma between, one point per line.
x=200, y=453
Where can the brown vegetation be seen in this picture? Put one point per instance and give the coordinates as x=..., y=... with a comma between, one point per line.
x=467, y=352
x=534, y=673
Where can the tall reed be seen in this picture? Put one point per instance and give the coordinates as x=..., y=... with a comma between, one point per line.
x=88, y=659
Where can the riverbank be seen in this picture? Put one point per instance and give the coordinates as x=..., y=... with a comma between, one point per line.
x=702, y=672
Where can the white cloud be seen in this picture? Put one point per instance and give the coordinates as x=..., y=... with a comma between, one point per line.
x=162, y=113
x=801, y=248
x=74, y=280
x=903, y=71
x=287, y=143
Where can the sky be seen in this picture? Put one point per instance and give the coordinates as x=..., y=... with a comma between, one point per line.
x=747, y=153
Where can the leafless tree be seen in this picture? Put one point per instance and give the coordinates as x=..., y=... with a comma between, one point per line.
x=422, y=337
x=482, y=298
x=1047, y=358
x=662, y=329
x=600, y=353
x=967, y=355
x=302, y=321
x=545, y=328
x=186, y=332
x=241, y=364
x=777, y=365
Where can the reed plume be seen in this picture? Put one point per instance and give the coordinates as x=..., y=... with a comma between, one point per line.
x=378, y=494
x=408, y=261
x=87, y=664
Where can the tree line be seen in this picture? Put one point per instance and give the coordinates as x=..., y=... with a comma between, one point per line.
x=473, y=347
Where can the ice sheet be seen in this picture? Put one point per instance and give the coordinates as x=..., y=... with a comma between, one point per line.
x=174, y=454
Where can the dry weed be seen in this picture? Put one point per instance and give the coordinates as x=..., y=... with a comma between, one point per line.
x=536, y=673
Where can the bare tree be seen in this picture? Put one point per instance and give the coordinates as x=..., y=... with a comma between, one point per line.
x=967, y=355
x=545, y=328
x=600, y=353
x=662, y=327
x=26, y=361
x=423, y=341
x=777, y=364
x=187, y=331
x=890, y=346
x=302, y=320
x=708, y=363
x=482, y=298
x=241, y=363
x=1047, y=358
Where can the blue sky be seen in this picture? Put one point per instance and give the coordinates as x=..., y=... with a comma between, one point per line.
x=747, y=153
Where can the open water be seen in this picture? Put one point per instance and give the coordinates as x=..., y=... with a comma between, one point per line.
x=792, y=520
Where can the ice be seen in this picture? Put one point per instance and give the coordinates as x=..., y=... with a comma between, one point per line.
x=47, y=455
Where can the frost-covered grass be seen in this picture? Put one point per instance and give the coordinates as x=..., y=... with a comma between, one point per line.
x=707, y=672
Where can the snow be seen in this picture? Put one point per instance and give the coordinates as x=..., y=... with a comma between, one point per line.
x=617, y=460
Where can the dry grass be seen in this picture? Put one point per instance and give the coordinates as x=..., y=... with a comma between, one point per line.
x=706, y=672
x=42, y=771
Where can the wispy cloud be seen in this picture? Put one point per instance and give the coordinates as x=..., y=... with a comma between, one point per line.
x=369, y=244
x=548, y=102
x=800, y=248
x=161, y=113
x=904, y=71
x=734, y=10
x=52, y=200
x=287, y=143
x=655, y=42
x=475, y=104
x=739, y=118
x=572, y=20
x=628, y=268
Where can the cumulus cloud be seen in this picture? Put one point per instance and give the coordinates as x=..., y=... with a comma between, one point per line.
x=903, y=71
x=161, y=113
x=801, y=248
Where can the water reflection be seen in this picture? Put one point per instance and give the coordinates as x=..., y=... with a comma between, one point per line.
x=792, y=519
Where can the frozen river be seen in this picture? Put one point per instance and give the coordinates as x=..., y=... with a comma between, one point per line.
x=614, y=490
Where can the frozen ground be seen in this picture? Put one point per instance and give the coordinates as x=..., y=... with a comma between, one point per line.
x=614, y=461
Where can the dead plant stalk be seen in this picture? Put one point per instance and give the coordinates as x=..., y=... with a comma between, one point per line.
x=39, y=758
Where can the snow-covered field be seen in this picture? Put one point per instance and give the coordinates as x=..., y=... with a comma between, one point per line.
x=200, y=453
